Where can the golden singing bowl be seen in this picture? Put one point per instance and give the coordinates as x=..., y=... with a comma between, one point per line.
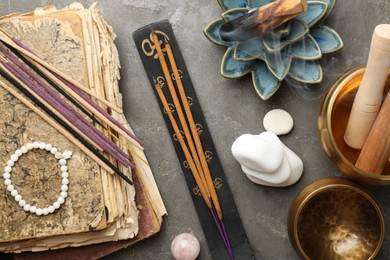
x=335, y=218
x=332, y=122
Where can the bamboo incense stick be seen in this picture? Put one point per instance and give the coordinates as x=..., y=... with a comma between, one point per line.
x=66, y=110
x=56, y=102
x=62, y=84
x=216, y=212
x=5, y=38
x=193, y=168
x=180, y=113
x=57, y=126
x=183, y=145
x=76, y=93
x=50, y=78
x=70, y=130
x=194, y=131
x=9, y=71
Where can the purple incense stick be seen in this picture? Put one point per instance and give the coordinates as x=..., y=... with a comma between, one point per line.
x=222, y=232
x=65, y=109
x=82, y=95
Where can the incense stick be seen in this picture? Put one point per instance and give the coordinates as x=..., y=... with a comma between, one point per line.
x=193, y=168
x=194, y=131
x=5, y=38
x=56, y=102
x=180, y=113
x=196, y=153
x=82, y=98
x=11, y=71
x=62, y=84
x=57, y=126
x=64, y=125
x=183, y=144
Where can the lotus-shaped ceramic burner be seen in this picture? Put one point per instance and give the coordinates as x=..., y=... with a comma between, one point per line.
x=290, y=52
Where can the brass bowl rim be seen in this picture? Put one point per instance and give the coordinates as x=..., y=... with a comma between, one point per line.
x=310, y=191
x=329, y=100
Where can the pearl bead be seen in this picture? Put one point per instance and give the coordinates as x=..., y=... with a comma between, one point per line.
x=18, y=197
x=33, y=209
x=185, y=246
x=64, y=168
x=48, y=147
x=29, y=146
x=22, y=203
x=18, y=152
x=62, y=162
x=64, y=194
x=7, y=169
x=61, y=200
x=6, y=175
x=24, y=149
x=14, y=193
x=53, y=150
x=10, y=188
x=64, y=187
x=65, y=175
x=41, y=145
x=14, y=157
x=7, y=182
x=26, y=207
x=51, y=209
x=65, y=181
x=10, y=163
x=38, y=211
x=56, y=205
x=58, y=155
x=45, y=211
x=35, y=145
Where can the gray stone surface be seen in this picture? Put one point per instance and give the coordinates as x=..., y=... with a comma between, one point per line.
x=231, y=108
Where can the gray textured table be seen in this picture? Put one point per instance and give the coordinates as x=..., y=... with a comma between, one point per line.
x=231, y=108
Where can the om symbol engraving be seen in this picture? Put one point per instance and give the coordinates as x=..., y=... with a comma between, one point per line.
x=209, y=156
x=218, y=183
x=148, y=45
x=199, y=129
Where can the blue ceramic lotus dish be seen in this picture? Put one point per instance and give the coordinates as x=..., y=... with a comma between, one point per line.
x=289, y=53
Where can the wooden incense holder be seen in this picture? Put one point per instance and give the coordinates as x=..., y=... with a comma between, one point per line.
x=264, y=19
x=376, y=149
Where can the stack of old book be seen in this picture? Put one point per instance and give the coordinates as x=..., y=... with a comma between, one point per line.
x=102, y=211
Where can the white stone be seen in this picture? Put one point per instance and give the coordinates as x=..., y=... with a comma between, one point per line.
x=257, y=153
x=288, y=171
x=278, y=121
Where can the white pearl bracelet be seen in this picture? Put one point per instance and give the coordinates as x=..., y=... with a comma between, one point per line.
x=62, y=157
